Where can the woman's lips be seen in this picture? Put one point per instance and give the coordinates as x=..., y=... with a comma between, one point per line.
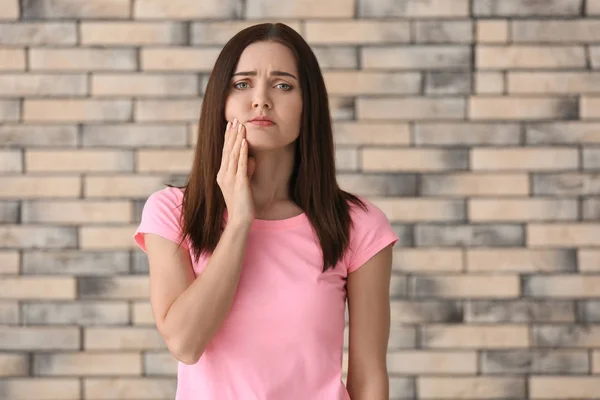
x=263, y=122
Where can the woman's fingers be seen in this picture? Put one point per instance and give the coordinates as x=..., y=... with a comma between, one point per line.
x=235, y=150
x=225, y=155
x=243, y=159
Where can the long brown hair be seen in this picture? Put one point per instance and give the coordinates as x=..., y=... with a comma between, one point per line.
x=313, y=185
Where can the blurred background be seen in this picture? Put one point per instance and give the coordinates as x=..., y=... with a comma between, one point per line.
x=473, y=124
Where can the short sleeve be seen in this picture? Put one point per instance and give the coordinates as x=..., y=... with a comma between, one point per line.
x=371, y=233
x=161, y=216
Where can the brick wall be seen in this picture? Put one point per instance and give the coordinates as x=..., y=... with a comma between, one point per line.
x=473, y=124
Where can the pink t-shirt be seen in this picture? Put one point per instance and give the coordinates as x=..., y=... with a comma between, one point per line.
x=284, y=336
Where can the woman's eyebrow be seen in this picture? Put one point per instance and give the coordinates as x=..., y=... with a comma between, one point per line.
x=276, y=73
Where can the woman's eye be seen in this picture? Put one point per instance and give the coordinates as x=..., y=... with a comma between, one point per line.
x=237, y=85
x=284, y=86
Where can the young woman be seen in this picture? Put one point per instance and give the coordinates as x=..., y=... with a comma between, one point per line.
x=251, y=262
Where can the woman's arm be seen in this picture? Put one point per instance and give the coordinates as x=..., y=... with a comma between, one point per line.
x=369, y=313
x=188, y=311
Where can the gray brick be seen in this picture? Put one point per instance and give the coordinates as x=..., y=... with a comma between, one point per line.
x=336, y=57
x=405, y=235
x=563, y=133
x=11, y=161
x=413, y=8
x=38, y=34
x=19, y=338
x=115, y=287
x=556, y=31
x=417, y=58
x=82, y=59
x=380, y=184
x=9, y=212
x=443, y=31
x=341, y=108
x=419, y=311
x=591, y=209
x=566, y=336
x=75, y=263
x=9, y=315
x=589, y=311
x=140, y=262
x=591, y=158
x=18, y=85
x=398, y=286
x=275, y=9
x=535, y=362
x=466, y=134
x=139, y=135
x=159, y=363
x=447, y=83
x=138, y=208
x=34, y=237
x=38, y=136
x=505, y=8
x=10, y=110
x=470, y=235
x=566, y=184
x=72, y=9
x=79, y=313
x=518, y=311
x=402, y=388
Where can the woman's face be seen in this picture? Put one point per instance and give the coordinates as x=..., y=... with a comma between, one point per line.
x=265, y=84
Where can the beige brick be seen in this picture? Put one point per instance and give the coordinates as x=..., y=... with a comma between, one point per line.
x=416, y=58
x=167, y=110
x=441, y=31
x=10, y=9
x=37, y=236
x=12, y=59
x=589, y=107
x=9, y=313
x=305, y=9
x=589, y=260
x=76, y=212
x=521, y=108
x=356, y=32
x=563, y=132
x=468, y=184
x=20, y=85
x=123, y=339
x=555, y=31
x=39, y=186
x=419, y=209
x=414, y=8
x=121, y=186
x=596, y=362
x=87, y=364
x=114, y=287
x=219, y=33
x=473, y=286
x=74, y=110
x=160, y=363
x=134, y=135
x=38, y=33
x=11, y=161
x=9, y=262
x=489, y=82
x=563, y=286
x=29, y=288
x=144, y=85
x=595, y=56
x=553, y=82
x=131, y=33
x=520, y=260
x=108, y=237
x=416, y=108
x=534, y=57
x=336, y=57
x=13, y=135
x=178, y=59
x=346, y=159
x=563, y=235
x=81, y=59
x=531, y=159
x=71, y=9
x=592, y=7
x=466, y=134
x=526, y=209
x=471, y=387
x=371, y=83
x=562, y=387
x=18, y=338
x=468, y=336
x=14, y=365
x=130, y=388
x=424, y=261
x=184, y=10
x=492, y=31
x=78, y=161
x=10, y=110
x=432, y=362
x=142, y=313
x=413, y=159
x=164, y=160
x=41, y=389
x=370, y=133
